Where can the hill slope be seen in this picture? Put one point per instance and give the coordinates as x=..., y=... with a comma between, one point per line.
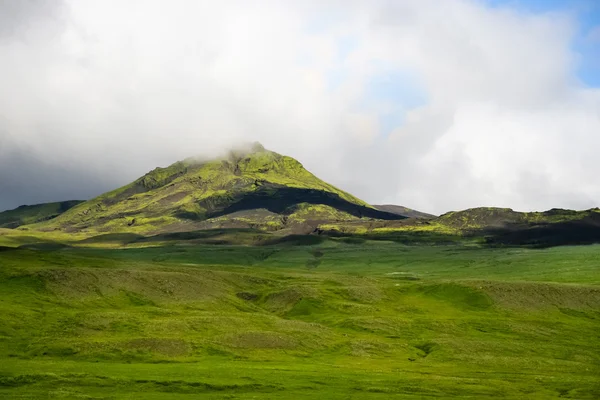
x=548, y=228
x=404, y=211
x=493, y=226
x=493, y=217
x=24, y=215
x=248, y=188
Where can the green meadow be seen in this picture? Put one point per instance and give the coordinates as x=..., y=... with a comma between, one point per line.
x=335, y=318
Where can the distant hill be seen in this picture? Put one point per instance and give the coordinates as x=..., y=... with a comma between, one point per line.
x=248, y=188
x=25, y=214
x=404, y=211
x=492, y=217
x=483, y=225
x=508, y=227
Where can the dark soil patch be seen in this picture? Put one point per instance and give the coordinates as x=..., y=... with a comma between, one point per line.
x=247, y=296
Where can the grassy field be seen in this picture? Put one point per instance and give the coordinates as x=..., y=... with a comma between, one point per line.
x=334, y=318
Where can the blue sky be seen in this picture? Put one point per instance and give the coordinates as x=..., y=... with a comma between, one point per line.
x=587, y=15
x=394, y=91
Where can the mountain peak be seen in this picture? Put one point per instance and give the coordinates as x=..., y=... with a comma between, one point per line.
x=246, y=150
x=196, y=193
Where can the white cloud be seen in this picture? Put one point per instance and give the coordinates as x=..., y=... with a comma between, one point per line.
x=113, y=89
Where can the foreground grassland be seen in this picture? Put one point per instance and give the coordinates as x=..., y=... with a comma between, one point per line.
x=331, y=318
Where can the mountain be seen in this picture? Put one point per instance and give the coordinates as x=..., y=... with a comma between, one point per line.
x=249, y=188
x=25, y=214
x=403, y=211
x=252, y=190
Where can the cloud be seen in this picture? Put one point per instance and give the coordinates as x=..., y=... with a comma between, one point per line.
x=97, y=93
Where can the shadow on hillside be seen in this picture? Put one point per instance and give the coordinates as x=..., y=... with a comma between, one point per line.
x=533, y=235
x=282, y=199
x=211, y=236
x=402, y=237
x=112, y=238
x=7, y=248
x=256, y=237
x=296, y=240
x=44, y=246
x=581, y=232
x=226, y=236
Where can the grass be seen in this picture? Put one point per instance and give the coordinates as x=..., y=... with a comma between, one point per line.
x=334, y=318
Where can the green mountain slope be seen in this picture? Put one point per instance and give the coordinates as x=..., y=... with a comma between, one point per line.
x=494, y=226
x=492, y=217
x=24, y=215
x=248, y=188
x=508, y=227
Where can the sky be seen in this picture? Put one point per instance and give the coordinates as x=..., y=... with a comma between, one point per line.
x=433, y=105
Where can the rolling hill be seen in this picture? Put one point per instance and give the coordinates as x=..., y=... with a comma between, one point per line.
x=30, y=214
x=507, y=227
x=489, y=225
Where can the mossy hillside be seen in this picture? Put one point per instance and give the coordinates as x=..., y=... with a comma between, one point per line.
x=194, y=190
x=468, y=221
x=541, y=229
x=475, y=218
x=409, y=231
x=361, y=227
x=304, y=211
x=491, y=217
x=492, y=226
x=293, y=217
x=23, y=237
x=31, y=214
